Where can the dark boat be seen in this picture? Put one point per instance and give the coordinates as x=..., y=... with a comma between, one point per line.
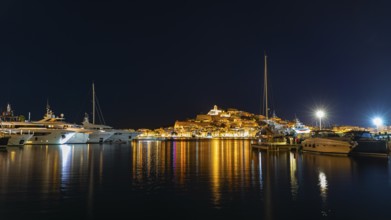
x=367, y=144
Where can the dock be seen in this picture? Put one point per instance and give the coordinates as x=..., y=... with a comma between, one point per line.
x=276, y=147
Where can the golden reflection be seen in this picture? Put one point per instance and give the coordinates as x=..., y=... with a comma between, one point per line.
x=225, y=163
x=293, y=172
x=230, y=167
x=260, y=170
x=216, y=171
x=183, y=158
x=197, y=156
x=12, y=157
x=149, y=159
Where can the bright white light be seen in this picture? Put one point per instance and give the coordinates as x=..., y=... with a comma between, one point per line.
x=66, y=154
x=322, y=181
x=320, y=114
x=323, y=185
x=377, y=121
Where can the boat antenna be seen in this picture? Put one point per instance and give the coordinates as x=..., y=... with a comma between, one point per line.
x=96, y=107
x=265, y=89
x=93, y=103
x=47, y=108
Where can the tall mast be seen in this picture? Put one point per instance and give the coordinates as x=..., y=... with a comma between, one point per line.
x=265, y=89
x=93, y=103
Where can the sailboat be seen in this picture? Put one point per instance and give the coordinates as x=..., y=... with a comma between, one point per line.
x=105, y=133
x=100, y=132
x=273, y=134
x=271, y=123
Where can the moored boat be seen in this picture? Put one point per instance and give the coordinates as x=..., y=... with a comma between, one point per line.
x=367, y=144
x=51, y=121
x=328, y=142
x=40, y=133
x=300, y=128
x=122, y=136
x=104, y=133
x=100, y=133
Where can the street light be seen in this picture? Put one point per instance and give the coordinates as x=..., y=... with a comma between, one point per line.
x=378, y=122
x=320, y=114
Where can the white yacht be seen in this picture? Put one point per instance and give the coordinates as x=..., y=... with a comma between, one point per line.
x=108, y=134
x=52, y=122
x=26, y=132
x=328, y=142
x=100, y=133
x=41, y=134
x=300, y=128
x=105, y=133
x=122, y=136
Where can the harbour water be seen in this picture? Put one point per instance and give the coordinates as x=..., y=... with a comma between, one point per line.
x=205, y=179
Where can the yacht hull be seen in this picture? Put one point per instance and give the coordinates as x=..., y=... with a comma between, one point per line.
x=329, y=146
x=78, y=138
x=47, y=136
x=19, y=139
x=99, y=137
x=16, y=137
x=122, y=136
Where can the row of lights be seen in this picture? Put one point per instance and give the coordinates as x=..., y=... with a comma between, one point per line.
x=320, y=114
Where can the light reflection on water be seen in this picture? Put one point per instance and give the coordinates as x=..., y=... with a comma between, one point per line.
x=293, y=174
x=218, y=178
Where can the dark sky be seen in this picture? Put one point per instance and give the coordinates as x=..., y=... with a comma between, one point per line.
x=154, y=62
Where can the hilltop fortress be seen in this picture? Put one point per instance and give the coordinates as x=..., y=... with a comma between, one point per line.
x=219, y=123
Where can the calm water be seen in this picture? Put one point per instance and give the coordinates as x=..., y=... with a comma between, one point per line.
x=216, y=179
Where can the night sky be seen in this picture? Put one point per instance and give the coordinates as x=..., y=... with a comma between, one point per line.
x=155, y=62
